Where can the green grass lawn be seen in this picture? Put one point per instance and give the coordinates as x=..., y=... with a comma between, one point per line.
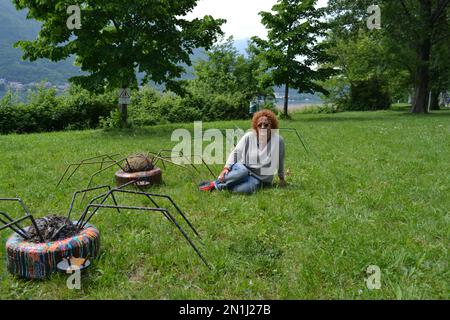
x=378, y=194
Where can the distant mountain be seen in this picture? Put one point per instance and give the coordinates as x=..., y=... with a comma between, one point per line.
x=14, y=27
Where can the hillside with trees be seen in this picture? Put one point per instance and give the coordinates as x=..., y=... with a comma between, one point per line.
x=14, y=27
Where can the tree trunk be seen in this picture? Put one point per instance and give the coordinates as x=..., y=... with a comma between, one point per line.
x=123, y=108
x=423, y=53
x=423, y=86
x=434, y=103
x=286, y=99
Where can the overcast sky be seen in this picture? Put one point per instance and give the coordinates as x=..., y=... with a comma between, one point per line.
x=242, y=16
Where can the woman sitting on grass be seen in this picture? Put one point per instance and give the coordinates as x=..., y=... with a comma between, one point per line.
x=255, y=159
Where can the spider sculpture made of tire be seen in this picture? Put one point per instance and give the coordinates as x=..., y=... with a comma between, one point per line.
x=38, y=258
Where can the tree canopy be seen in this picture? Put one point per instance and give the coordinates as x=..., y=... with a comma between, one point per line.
x=294, y=51
x=414, y=32
x=119, y=38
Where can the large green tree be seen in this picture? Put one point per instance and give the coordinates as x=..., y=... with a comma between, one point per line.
x=119, y=38
x=225, y=82
x=294, y=51
x=226, y=70
x=414, y=30
x=363, y=59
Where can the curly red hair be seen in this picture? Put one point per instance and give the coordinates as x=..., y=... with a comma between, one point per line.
x=265, y=113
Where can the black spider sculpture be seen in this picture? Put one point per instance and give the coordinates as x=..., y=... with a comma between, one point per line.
x=107, y=161
x=95, y=204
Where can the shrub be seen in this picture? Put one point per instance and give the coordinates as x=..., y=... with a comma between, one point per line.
x=45, y=111
x=368, y=95
x=80, y=109
x=142, y=110
x=150, y=107
x=113, y=121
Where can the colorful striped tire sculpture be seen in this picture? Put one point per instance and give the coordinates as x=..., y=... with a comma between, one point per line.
x=146, y=178
x=38, y=260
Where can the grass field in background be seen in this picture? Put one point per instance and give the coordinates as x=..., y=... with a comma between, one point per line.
x=378, y=193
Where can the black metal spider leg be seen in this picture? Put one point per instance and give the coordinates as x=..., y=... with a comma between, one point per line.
x=73, y=202
x=102, y=162
x=16, y=228
x=203, y=161
x=206, y=165
x=114, y=160
x=78, y=165
x=110, y=157
x=178, y=209
x=180, y=155
x=15, y=222
x=104, y=196
x=159, y=210
x=116, y=163
x=4, y=214
x=189, y=161
x=166, y=159
x=301, y=140
x=81, y=224
x=28, y=215
x=157, y=157
x=298, y=136
x=150, y=195
x=305, y=144
x=84, y=192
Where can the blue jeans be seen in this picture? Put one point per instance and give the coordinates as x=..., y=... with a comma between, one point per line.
x=238, y=180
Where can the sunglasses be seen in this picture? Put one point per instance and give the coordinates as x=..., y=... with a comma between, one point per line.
x=263, y=125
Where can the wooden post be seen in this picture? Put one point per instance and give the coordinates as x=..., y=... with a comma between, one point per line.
x=124, y=100
x=123, y=109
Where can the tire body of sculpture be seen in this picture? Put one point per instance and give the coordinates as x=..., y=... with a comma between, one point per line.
x=145, y=178
x=38, y=260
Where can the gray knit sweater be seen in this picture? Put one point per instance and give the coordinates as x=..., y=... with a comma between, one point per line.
x=262, y=161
